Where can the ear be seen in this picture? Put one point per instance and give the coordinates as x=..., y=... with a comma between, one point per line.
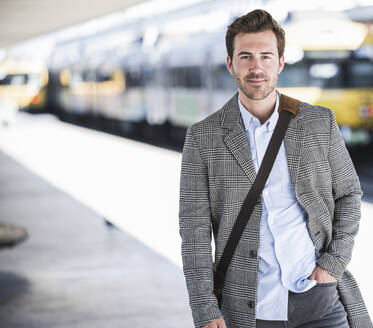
x=282, y=64
x=229, y=65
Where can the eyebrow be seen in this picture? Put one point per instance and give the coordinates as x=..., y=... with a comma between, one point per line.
x=249, y=53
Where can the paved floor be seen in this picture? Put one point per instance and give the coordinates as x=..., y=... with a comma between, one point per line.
x=74, y=270
x=134, y=185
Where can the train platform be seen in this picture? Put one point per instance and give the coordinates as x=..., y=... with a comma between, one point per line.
x=62, y=183
x=74, y=270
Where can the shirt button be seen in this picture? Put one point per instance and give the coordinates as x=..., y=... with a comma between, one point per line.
x=253, y=254
x=251, y=304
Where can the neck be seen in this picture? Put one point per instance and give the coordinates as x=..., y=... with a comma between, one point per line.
x=262, y=109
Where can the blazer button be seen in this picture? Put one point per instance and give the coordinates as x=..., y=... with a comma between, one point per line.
x=253, y=254
x=251, y=304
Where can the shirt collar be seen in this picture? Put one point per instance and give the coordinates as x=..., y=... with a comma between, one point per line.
x=249, y=119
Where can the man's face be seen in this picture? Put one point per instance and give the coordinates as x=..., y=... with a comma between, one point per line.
x=255, y=64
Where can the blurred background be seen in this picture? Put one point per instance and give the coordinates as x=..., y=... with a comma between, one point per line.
x=95, y=100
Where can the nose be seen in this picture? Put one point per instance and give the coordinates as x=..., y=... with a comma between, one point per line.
x=255, y=65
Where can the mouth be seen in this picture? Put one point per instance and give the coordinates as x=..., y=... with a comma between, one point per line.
x=255, y=81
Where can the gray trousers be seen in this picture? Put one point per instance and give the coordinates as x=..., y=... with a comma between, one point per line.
x=318, y=307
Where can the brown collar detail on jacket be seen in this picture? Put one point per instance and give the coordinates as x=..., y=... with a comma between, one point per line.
x=289, y=104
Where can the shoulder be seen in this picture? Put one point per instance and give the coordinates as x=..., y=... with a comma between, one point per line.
x=209, y=134
x=317, y=120
x=210, y=122
x=210, y=126
x=217, y=123
x=313, y=112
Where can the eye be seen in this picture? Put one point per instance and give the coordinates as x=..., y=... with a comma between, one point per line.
x=266, y=57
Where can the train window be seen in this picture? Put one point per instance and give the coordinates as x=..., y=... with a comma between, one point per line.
x=293, y=75
x=148, y=75
x=159, y=78
x=185, y=77
x=221, y=79
x=134, y=78
x=361, y=74
x=193, y=77
x=90, y=76
x=324, y=71
x=5, y=79
x=175, y=77
x=14, y=79
x=325, y=75
x=102, y=77
x=18, y=79
x=76, y=78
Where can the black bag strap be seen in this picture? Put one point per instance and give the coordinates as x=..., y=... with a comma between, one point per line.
x=291, y=107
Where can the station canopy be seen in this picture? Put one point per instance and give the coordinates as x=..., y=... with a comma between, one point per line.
x=22, y=20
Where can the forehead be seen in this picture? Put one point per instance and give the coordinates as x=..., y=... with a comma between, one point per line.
x=255, y=42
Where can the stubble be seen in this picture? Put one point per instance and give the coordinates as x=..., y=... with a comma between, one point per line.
x=254, y=92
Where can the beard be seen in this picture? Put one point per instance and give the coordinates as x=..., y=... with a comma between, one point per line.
x=258, y=92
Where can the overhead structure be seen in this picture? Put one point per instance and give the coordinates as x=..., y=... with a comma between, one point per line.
x=22, y=20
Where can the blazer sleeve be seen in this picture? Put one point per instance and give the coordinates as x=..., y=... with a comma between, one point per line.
x=195, y=232
x=347, y=196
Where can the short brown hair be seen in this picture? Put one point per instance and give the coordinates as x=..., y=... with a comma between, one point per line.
x=255, y=21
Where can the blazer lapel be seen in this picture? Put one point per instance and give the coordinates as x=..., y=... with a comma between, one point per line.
x=237, y=143
x=293, y=142
x=236, y=139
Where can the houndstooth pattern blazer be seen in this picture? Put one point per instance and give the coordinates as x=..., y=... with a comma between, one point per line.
x=216, y=174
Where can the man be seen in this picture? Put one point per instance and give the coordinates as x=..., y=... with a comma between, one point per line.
x=289, y=268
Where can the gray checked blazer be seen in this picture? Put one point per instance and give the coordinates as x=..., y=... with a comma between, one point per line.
x=216, y=174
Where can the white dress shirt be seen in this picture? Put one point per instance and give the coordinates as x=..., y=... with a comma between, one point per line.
x=287, y=254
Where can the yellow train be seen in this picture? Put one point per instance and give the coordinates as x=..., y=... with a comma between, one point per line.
x=22, y=85
x=330, y=63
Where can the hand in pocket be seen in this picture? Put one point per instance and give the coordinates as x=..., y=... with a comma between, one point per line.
x=321, y=275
